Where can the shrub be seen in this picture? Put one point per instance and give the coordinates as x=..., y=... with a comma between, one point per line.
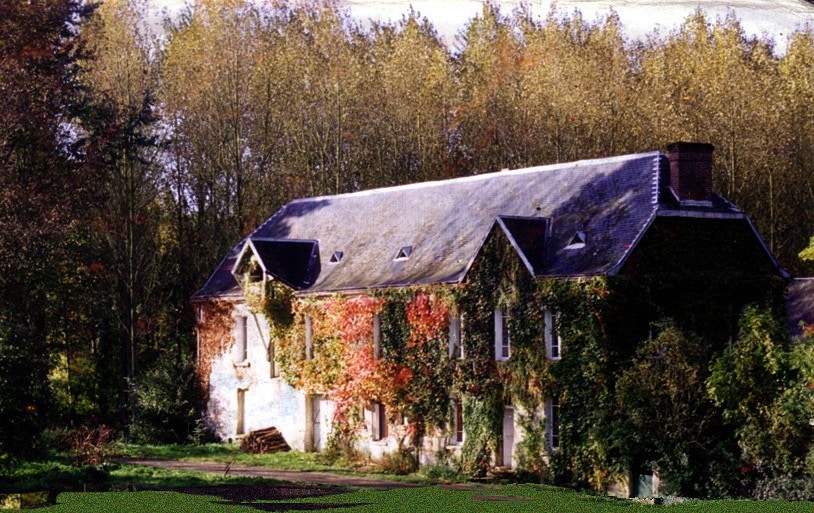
x=88, y=444
x=341, y=447
x=399, y=462
x=785, y=488
x=445, y=468
x=23, y=396
x=762, y=387
x=167, y=402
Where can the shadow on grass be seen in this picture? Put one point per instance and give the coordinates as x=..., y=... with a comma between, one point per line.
x=249, y=495
x=294, y=506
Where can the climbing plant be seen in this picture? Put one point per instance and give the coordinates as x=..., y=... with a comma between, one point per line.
x=215, y=329
x=608, y=327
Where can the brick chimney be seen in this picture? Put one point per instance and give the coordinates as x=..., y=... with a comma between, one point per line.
x=691, y=172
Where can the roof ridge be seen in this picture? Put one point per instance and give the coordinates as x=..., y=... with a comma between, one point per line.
x=478, y=177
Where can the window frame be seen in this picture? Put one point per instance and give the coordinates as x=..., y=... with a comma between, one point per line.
x=553, y=423
x=241, y=334
x=309, y=337
x=553, y=339
x=378, y=422
x=456, y=334
x=503, y=335
x=271, y=353
x=457, y=432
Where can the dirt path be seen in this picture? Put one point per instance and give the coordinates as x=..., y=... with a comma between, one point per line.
x=294, y=476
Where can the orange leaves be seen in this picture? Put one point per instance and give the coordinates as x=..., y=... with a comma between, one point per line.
x=428, y=318
x=215, y=325
x=352, y=318
x=344, y=366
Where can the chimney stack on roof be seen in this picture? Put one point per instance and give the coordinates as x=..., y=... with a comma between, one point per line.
x=691, y=172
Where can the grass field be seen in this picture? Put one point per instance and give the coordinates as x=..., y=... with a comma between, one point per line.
x=291, y=460
x=124, y=488
x=429, y=499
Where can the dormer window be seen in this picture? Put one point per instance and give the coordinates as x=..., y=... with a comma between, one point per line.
x=404, y=253
x=577, y=241
x=336, y=257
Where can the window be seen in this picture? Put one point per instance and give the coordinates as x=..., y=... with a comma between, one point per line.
x=503, y=339
x=404, y=253
x=377, y=337
x=240, y=339
x=456, y=338
x=553, y=341
x=270, y=356
x=577, y=241
x=457, y=431
x=336, y=257
x=309, y=335
x=378, y=424
x=241, y=411
x=507, y=442
x=553, y=422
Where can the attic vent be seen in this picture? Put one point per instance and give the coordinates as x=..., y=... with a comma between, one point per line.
x=336, y=257
x=577, y=241
x=404, y=253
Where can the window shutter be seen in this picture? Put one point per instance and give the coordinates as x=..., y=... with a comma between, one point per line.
x=455, y=338
x=506, y=348
x=502, y=335
x=240, y=339
x=309, y=333
x=378, y=422
x=377, y=337
x=552, y=337
x=498, y=333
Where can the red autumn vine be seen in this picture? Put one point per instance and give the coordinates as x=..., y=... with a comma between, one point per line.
x=410, y=381
x=214, y=336
x=428, y=318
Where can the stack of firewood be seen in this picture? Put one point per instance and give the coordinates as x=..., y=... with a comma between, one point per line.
x=264, y=441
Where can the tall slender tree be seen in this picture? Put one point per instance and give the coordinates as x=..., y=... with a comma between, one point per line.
x=41, y=203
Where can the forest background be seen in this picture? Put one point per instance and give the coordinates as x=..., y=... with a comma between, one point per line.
x=132, y=161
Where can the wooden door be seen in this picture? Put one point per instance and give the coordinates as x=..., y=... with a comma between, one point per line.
x=508, y=436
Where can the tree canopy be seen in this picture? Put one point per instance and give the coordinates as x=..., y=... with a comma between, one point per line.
x=132, y=160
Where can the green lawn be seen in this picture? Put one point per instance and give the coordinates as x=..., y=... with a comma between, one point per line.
x=137, y=489
x=430, y=499
x=291, y=460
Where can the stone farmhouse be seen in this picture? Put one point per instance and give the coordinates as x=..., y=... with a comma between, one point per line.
x=472, y=291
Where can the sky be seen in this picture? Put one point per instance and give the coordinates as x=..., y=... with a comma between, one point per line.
x=772, y=18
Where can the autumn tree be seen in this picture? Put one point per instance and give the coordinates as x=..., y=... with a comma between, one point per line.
x=796, y=108
x=411, y=95
x=487, y=67
x=577, y=92
x=41, y=203
x=762, y=388
x=670, y=418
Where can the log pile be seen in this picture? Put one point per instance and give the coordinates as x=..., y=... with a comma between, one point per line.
x=263, y=441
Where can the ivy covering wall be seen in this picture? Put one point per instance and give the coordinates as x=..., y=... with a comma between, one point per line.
x=627, y=371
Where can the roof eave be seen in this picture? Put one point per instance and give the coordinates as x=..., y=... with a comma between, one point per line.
x=616, y=268
x=366, y=290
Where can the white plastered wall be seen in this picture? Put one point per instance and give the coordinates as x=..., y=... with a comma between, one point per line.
x=272, y=402
x=267, y=401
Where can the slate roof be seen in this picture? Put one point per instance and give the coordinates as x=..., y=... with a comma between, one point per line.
x=800, y=305
x=611, y=201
